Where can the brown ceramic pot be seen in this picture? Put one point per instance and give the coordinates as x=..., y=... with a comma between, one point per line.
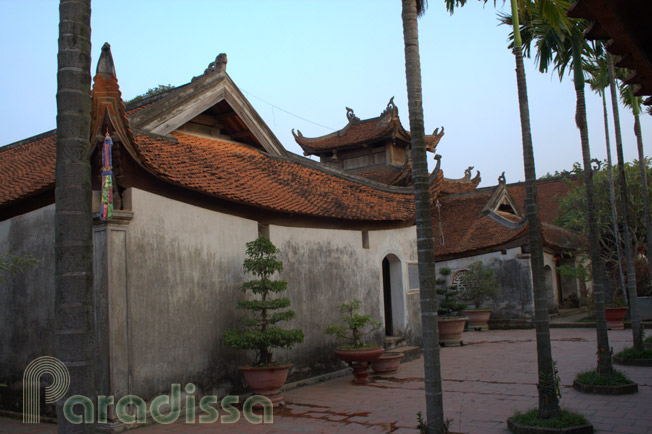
x=387, y=363
x=267, y=381
x=359, y=361
x=450, y=331
x=615, y=317
x=478, y=319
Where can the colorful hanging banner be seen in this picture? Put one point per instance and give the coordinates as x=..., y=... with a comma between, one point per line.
x=106, y=206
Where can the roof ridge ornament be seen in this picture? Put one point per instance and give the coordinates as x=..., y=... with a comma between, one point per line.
x=391, y=109
x=501, y=179
x=467, y=172
x=218, y=66
x=350, y=115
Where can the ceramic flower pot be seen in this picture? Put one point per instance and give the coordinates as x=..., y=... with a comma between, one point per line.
x=450, y=331
x=615, y=317
x=267, y=381
x=359, y=360
x=387, y=363
x=478, y=319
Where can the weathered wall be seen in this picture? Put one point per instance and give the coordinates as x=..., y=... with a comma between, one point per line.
x=515, y=299
x=325, y=268
x=167, y=279
x=184, y=271
x=27, y=307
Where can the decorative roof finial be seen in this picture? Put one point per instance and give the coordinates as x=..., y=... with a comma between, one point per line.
x=467, y=172
x=501, y=179
x=391, y=109
x=105, y=64
x=351, y=116
x=218, y=66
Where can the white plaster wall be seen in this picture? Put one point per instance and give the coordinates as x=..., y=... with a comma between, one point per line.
x=184, y=273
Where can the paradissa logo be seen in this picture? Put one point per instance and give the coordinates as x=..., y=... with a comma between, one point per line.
x=125, y=405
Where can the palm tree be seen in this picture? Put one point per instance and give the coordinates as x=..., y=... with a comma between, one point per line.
x=560, y=42
x=411, y=9
x=599, y=81
x=637, y=331
x=74, y=324
x=548, y=400
x=634, y=102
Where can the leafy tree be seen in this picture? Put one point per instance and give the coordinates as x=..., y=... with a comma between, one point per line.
x=73, y=219
x=572, y=215
x=634, y=103
x=449, y=305
x=479, y=284
x=411, y=9
x=560, y=43
x=637, y=327
x=353, y=327
x=260, y=332
x=599, y=81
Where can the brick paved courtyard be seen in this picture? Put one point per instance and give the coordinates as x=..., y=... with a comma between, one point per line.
x=484, y=382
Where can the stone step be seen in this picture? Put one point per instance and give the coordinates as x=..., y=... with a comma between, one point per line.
x=410, y=352
x=392, y=342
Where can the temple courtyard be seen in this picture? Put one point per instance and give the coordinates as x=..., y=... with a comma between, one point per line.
x=485, y=381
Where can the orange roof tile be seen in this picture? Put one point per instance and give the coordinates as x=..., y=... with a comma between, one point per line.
x=548, y=191
x=466, y=231
x=243, y=174
x=27, y=168
x=354, y=133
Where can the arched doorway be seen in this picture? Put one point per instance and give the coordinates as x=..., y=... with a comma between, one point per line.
x=394, y=305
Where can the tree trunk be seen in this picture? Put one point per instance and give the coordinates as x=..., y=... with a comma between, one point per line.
x=548, y=401
x=605, y=367
x=425, y=240
x=612, y=198
x=637, y=331
x=644, y=186
x=74, y=322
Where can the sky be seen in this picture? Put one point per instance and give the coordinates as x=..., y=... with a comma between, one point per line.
x=301, y=63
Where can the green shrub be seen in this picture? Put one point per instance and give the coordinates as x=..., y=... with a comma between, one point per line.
x=259, y=332
x=634, y=354
x=479, y=284
x=565, y=420
x=450, y=304
x=353, y=326
x=591, y=378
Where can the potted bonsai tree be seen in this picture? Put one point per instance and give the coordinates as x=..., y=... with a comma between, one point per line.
x=478, y=285
x=450, y=322
x=355, y=351
x=260, y=330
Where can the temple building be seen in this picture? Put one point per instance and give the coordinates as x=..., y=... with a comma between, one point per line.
x=196, y=174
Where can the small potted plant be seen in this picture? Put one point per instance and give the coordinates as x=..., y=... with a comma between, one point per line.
x=260, y=331
x=478, y=285
x=615, y=313
x=450, y=322
x=356, y=352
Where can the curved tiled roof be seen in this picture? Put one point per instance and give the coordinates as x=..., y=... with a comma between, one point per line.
x=226, y=170
x=27, y=168
x=466, y=231
x=354, y=133
x=463, y=228
x=243, y=174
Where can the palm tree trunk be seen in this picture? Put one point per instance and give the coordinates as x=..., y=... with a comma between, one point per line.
x=605, y=367
x=548, y=401
x=644, y=186
x=74, y=334
x=612, y=197
x=637, y=332
x=425, y=240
